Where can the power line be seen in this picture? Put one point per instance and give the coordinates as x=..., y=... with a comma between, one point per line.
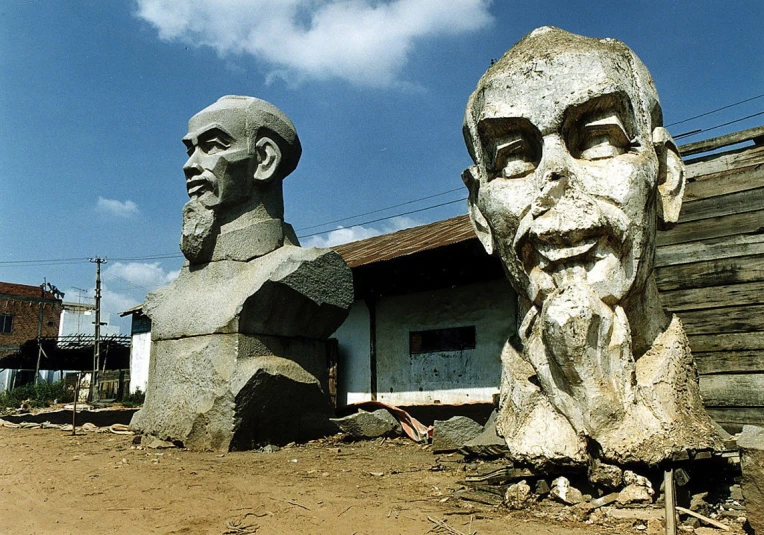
x=388, y=217
x=152, y=257
x=714, y=111
x=382, y=209
x=694, y=132
x=49, y=261
x=136, y=286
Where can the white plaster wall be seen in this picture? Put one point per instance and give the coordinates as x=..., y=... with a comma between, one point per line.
x=473, y=378
x=353, y=371
x=5, y=380
x=140, y=350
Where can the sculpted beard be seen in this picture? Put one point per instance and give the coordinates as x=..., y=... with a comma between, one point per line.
x=200, y=230
x=579, y=341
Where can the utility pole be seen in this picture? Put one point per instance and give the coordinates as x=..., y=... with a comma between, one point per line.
x=39, y=333
x=97, y=342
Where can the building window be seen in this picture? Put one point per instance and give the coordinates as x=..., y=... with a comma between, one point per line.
x=452, y=339
x=6, y=323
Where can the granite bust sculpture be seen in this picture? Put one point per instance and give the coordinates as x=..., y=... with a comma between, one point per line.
x=240, y=149
x=573, y=173
x=238, y=355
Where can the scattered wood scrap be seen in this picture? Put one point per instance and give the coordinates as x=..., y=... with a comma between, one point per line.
x=441, y=526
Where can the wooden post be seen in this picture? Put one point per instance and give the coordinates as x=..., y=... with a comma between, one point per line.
x=668, y=491
x=371, y=304
x=74, y=407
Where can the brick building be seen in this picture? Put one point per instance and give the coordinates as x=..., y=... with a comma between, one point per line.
x=25, y=310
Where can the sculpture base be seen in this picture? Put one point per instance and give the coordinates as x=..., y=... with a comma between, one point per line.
x=235, y=391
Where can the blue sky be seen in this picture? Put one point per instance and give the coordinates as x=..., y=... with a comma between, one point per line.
x=95, y=97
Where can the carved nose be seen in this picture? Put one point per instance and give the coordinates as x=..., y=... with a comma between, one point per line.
x=553, y=186
x=192, y=168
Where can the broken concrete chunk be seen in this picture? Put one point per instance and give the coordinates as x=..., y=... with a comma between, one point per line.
x=487, y=444
x=563, y=492
x=751, y=444
x=517, y=495
x=366, y=425
x=605, y=475
x=632, y=478
x=635, y=494
x=452, y=434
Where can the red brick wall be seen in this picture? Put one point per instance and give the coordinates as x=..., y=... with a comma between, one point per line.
x=23, y=303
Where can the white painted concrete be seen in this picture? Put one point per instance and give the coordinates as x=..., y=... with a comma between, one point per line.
x=453, y=377
x=5, y=380
x=140, y=349
x=353, y=371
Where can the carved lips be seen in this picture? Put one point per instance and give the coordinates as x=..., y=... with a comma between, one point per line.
x=197, y=185
x=554, y=240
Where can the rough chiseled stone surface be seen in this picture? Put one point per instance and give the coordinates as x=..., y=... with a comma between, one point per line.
x=573, y=173
x=452, y=434
x=238, y=357
x=751, y=445
x=488, y=443
x=364, y=425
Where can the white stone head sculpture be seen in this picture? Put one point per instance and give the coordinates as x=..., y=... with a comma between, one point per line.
x=240, y=149
x=573, y=172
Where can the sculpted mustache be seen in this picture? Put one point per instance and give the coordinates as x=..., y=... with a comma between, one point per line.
x=608, y=220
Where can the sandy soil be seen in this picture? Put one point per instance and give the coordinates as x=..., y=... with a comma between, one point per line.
x=100, y=483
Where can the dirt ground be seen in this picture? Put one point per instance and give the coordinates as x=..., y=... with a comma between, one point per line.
x=101, y=483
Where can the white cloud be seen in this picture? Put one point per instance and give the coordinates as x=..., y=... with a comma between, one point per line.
x=140, y=275
x=348, y=234
x=117, y=208
x=365, y=42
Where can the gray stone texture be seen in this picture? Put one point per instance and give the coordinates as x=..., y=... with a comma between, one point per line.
x=366, y=425
x=487, y=444
x=573, y=173
x=238, y=357
x=605, y=475
x=452, y=434
x=751, y=445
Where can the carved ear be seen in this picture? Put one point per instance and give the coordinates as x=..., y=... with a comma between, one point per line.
x=268, y=159
x=479, y=222
x=671, y=179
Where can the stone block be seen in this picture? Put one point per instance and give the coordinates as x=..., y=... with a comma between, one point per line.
x=487, y=444
x=751, y=445
x=452, y=434
x=225, y=392
x=366, y=425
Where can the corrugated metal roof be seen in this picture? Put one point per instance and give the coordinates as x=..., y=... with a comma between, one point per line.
x=406, y=242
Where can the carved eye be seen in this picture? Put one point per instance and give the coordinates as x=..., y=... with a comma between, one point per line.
x=514, y=158
x=189, y=147
x=604, y=138
x=213, y=145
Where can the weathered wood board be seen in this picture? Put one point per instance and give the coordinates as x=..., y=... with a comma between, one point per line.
x=751, y=293
x=733, y=390
x=710, y=272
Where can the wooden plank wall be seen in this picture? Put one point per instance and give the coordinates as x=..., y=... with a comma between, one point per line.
x=710, y=271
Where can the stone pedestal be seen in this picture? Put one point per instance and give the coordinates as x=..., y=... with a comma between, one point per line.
x=236, y=391
x=239, y=351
